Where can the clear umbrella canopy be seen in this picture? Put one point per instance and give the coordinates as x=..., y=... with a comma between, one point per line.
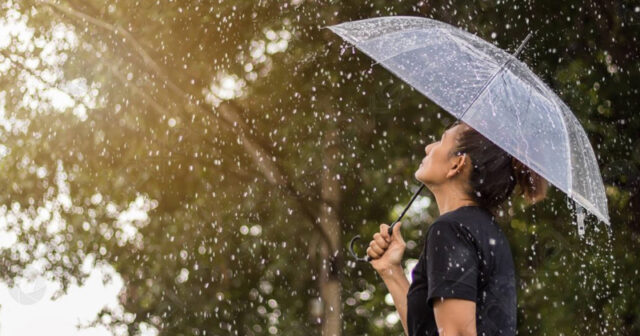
x=490, y=90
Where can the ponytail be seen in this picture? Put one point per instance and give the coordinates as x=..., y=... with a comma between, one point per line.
x=495, y=173
x=532, y=186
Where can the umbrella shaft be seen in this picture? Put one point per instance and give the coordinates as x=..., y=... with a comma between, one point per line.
x=405, y=209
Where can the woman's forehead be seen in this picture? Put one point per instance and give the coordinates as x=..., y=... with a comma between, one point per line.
x=455, y=128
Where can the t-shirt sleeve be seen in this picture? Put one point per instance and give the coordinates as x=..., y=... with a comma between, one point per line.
x=452, y=262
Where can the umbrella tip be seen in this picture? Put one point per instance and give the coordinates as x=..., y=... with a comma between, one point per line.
x=521, y=47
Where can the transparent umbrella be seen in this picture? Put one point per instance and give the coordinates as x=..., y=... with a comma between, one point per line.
x=493, y=92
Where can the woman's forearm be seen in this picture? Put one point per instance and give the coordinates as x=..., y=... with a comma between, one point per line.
x=398, y=285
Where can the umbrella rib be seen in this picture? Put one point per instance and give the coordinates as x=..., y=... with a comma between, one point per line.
x=570, y=191
x=518, y=115
x=514, y=56
x=357, y=42
x=484, y=87
x=441, y=29
x=404, y=51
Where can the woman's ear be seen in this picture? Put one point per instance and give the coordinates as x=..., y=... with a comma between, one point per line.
x=458, y=165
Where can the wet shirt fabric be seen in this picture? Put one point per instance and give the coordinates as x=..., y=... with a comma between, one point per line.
x=466, y=256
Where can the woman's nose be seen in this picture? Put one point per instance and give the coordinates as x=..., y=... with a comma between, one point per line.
x=427, y=149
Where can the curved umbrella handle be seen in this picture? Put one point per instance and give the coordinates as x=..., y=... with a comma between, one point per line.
x=353, y=253
x=357, y=237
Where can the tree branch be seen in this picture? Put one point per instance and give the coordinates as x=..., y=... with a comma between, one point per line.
x=229, y=112
x=117, y=30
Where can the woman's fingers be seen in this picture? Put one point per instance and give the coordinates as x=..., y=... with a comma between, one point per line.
x=384, y=232
x=380, y=242
x=377, y=237
x=372, y=254
x=376, y=248
x=398, y=233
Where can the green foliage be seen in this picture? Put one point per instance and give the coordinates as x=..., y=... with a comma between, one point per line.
x=224, y=250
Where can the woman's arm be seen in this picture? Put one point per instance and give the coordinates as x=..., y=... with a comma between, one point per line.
x=386, y=258
x=455, y=317
x=398, y=285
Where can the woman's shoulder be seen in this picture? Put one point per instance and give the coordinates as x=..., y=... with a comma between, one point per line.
x=467, y=211
x=472, y=220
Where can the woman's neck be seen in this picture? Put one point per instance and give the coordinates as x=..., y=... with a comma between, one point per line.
x=449, y=200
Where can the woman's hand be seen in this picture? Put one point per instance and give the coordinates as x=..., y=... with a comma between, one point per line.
x=386, y=251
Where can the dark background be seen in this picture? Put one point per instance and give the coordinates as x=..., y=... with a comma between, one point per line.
x=249, y=197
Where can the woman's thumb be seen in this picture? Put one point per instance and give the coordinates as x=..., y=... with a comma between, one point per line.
x=397, y=233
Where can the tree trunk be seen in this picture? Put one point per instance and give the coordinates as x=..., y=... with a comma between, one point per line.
x=330, y=262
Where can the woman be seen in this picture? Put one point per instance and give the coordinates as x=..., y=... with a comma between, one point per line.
x=464, y=281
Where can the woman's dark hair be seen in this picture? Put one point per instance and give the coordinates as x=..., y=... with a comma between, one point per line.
x=495, y=173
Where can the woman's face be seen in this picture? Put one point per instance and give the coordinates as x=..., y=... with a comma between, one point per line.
x=438, y=164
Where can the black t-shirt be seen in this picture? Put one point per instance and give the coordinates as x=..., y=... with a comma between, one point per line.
x=466, y=256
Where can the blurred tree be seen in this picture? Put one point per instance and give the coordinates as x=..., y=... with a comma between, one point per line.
x=253, y=140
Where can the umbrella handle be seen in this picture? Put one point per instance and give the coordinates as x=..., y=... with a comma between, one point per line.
x=356, y=238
